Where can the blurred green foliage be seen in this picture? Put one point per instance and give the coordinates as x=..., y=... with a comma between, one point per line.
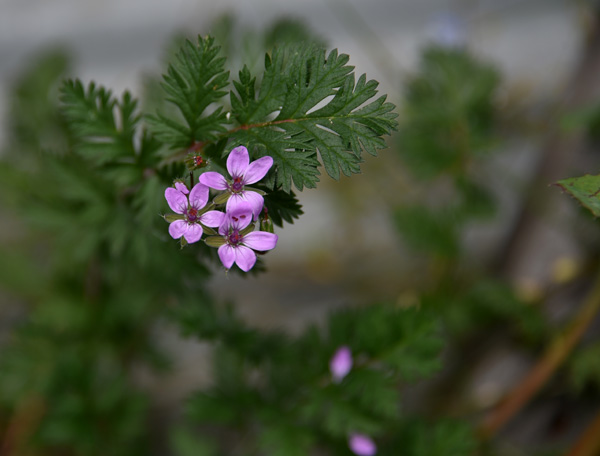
x=448, y=126
x=449, y=112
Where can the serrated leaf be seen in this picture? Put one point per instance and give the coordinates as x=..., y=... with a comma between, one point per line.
x=293, y=161
x=282, y=206
x=311, y=99
x=585, y=189
x=194, y=81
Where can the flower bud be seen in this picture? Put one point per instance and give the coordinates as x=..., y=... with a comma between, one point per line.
x=195, y=161
x=266, y=224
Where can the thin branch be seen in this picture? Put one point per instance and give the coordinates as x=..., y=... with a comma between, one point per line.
x=589, y=442
x=22, y=425
x=555, y=355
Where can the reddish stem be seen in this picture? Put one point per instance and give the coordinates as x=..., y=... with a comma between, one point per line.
x=589, y=442
x=555, y=355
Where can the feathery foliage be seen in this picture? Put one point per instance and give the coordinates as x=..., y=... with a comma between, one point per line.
x=311, y=99
x=194, y=81
x=307, y=105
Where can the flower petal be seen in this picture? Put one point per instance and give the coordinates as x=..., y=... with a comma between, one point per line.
x=199, y=196
x=239, y=213
x=193, y=233
x=213, y=180
x=238, y=161
x=248, y=197
x=180, y=186
x=212, y=218
x=245, y=258
x=178, y=228
x=260, y=240
x=257, y=170
x=362, y=445
x=177, y=201
x=227, y=255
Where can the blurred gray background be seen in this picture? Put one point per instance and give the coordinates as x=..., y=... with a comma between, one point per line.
x=115, y=41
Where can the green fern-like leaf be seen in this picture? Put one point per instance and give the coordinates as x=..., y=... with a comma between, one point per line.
x=315, y=107
x=194, y=81
x=294, y=160
x=282, y=206
x=103, y=127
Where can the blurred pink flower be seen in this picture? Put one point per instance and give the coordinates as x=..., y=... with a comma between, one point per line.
x=340, y=363
x=362, y=445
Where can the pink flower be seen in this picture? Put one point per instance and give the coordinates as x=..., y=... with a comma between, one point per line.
x=362, y=445
x=189, y=225
x=341, y=363
x=242, y=173
x=239, y=243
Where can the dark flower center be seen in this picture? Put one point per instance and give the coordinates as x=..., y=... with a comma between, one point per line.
x=237, y=185
x=234, y=237
x=192, y=214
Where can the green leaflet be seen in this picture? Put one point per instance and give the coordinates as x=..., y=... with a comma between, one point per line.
x=102, y=126
x=294, y=162
x=282, y=206
x=585, y=189
x=193, y=81
x=309, y=105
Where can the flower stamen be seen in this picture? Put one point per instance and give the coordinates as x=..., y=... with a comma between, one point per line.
x=237, y=186
x=192, y=214
x=234, y=237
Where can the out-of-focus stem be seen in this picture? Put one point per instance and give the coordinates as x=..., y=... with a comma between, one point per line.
x=589, y=442
x=541, y=372
x=22, y=425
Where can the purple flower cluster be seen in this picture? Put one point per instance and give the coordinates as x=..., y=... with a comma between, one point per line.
x=340, y=365
x=235, y=236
